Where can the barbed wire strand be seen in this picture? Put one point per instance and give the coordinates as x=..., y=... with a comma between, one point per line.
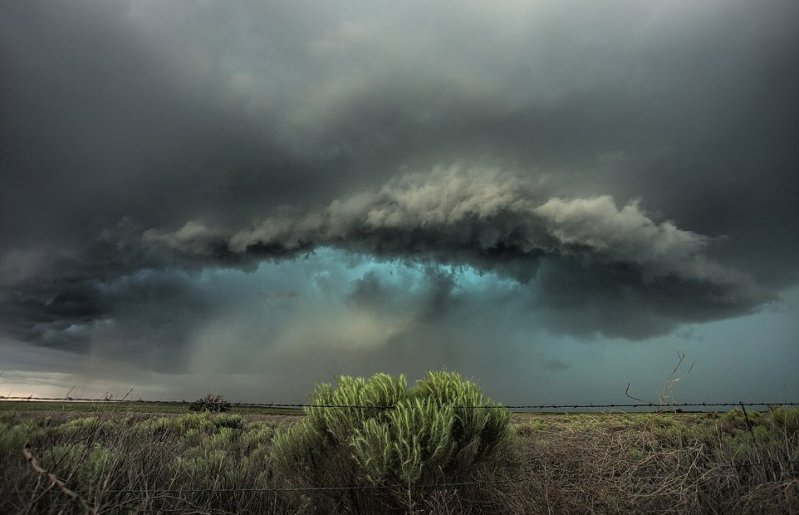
x=299, y=405
x=315, y=488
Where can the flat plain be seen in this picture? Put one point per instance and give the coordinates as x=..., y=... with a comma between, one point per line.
x=156, y=457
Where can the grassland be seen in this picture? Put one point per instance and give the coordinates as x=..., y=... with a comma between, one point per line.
x=140, y=457
x=137, y=407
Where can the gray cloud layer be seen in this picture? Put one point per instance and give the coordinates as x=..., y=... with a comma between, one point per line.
x=544, y=123
x=492, y=221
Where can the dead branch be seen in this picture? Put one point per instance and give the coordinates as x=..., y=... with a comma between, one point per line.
x=627, y=393
x=55, y=481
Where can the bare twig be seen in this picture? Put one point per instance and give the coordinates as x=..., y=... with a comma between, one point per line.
x=627, y=393
x=54, y=480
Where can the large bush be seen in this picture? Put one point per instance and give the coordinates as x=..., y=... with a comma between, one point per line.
x=392, y=440
x=210, y=402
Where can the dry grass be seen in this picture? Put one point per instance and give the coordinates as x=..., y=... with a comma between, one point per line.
x=654, y=464
x=603, y=470
x=580, y=463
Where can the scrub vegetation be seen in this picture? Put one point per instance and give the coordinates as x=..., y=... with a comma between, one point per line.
x=415, y=449
x=394, y=447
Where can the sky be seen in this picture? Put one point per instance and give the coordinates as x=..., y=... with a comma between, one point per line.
x=554, y=198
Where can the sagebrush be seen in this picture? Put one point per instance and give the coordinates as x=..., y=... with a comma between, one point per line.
x=120, y=459
x=401, y=439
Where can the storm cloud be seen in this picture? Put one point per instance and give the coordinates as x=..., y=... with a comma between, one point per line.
x=552, y=169
x=492, y=222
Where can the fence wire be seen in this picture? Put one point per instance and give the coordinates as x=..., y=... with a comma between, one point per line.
x=299, y=405
x=432, y=486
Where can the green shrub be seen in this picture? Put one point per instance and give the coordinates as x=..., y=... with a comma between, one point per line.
x=391, y=437
x=12, y=440
x=229, y=421
x=210, y=402
x=786, y=419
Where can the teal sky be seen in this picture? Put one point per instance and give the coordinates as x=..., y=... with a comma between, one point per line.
x=301, y=322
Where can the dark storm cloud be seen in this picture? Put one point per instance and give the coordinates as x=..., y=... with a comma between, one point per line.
x=191, y=120
x=140, y=304
x=145, y=313
x=437, y=300
x=656, y=273
x=621, y=301
x=100, y=122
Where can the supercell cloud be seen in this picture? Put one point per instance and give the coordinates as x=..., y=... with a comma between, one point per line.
x=241, y=190
x=495, y=222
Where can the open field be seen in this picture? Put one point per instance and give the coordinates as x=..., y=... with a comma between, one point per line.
x=131, y=407
x=135, y=457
